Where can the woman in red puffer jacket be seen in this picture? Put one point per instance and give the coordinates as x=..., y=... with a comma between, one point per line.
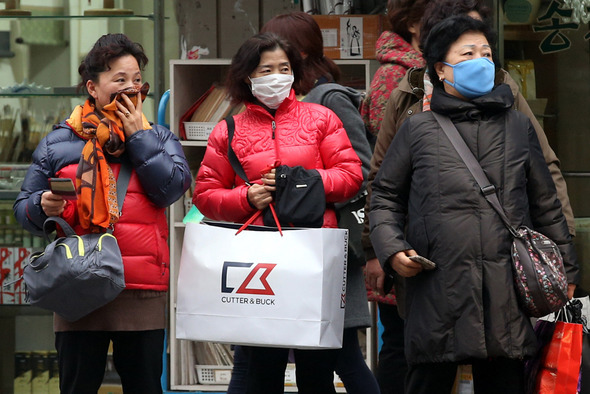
x=293, y=134
x=275, y=129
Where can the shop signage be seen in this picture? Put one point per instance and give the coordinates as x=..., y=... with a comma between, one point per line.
x=560, y=16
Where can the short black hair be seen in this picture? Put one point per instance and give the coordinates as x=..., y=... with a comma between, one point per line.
x=106, y=49
x=438, y=10
x=247, y=59
x=445, y=33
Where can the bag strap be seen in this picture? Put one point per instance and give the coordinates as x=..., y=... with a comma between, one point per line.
x=239, y=170
x=49, y=226
x=231, y=155
x=486, y=187
x=123, y=181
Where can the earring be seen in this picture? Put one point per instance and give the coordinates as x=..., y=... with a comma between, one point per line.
x=441, y=78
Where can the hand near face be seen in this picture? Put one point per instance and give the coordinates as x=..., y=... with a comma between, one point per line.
x=130, y=115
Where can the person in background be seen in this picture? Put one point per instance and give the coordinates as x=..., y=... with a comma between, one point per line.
x=425, y=202
x=115, y=131
x=412, y=97
x=275, y=128
x=318, y=84
x=397, y=50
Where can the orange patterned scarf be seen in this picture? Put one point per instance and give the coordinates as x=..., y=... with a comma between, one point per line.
x=95, y=182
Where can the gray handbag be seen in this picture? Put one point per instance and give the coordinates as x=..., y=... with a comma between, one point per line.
x=77, y=274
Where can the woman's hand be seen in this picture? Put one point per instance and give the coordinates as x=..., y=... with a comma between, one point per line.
x=260, y=195
x=570, y=290
x=130, y=115
x=403, y=265
x=52, y=204
x=374, y=276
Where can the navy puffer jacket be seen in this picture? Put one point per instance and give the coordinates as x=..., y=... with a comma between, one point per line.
x=160, y=176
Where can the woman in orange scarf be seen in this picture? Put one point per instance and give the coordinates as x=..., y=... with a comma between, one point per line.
x=88, y=148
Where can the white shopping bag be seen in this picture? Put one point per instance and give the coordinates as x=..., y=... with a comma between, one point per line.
x=260, y=288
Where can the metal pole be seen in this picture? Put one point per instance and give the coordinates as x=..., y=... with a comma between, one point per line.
x=158, y=52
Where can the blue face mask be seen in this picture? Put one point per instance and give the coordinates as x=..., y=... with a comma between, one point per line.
x=473, y=78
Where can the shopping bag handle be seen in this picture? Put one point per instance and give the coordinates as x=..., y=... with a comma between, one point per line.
x=256, y=214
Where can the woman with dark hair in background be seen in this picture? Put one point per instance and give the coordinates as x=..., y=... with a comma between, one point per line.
x=115, y=131
x=319, y=85
x=426, y=202
x=397, y=51
x=275, y=128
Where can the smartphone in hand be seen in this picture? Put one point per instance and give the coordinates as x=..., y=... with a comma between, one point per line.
x=63, y=187
x=426, y=264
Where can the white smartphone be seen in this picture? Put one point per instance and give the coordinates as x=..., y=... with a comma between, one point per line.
x=63, y=187
x=426, y=264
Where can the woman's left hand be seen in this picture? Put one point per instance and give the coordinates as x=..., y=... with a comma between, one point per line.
x=570, y=290
x=269, y=179
x=130, y=115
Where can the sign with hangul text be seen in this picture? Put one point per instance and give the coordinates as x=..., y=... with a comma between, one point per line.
x=12, y=262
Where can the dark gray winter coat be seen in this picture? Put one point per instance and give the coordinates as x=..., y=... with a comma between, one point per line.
x=344, y=102
x=466, y=308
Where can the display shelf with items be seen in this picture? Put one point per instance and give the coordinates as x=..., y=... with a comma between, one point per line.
x=48, y=43
x=27, y=339
x=201, y=366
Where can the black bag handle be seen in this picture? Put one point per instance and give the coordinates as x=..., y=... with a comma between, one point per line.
x=49, y=226
x=486, y=187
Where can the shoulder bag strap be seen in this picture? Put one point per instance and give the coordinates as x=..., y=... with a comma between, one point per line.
x=488, y=190
x=231, y=155
x=237, y=166
x=123, y=181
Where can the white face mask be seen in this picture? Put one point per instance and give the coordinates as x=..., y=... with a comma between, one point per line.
x=271, y=90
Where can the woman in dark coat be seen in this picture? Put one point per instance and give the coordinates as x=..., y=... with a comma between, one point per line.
x=425, y=201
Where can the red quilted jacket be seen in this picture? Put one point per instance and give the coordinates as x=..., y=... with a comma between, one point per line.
x=303, y=134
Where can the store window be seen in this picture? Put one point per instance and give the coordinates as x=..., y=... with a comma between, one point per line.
x=546, y=46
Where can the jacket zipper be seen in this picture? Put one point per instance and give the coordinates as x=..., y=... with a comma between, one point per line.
x=274, y=126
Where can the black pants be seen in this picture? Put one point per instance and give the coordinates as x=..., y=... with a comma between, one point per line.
x=392, y=367
x=137, y=356
x=352, y=367
x=314, y=370
x=493, y=376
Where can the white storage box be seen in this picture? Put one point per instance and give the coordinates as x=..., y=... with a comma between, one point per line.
x=221, y=374
x=214, y=374
x=198, y=130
